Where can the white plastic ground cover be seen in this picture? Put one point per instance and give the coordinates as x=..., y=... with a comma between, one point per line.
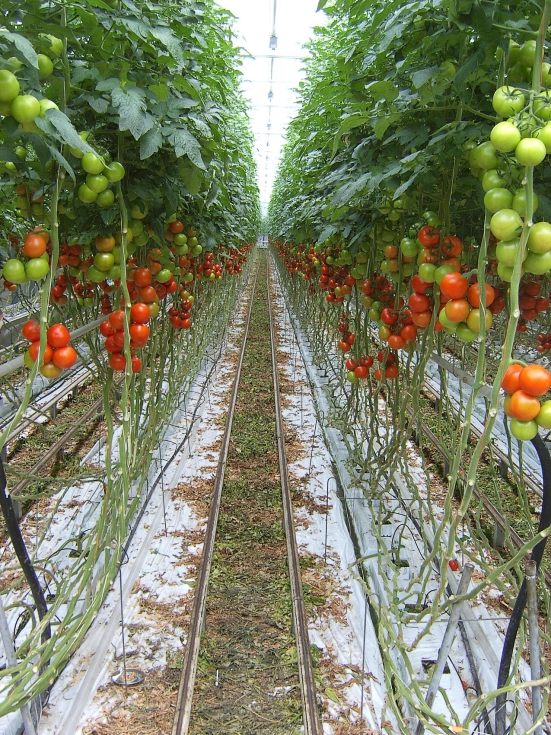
x=482, y=627
x=350, y=637
x=77, y=510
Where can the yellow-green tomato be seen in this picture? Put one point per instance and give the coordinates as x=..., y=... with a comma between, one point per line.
x=9, y=86
x=524, y=430
x=544, y=416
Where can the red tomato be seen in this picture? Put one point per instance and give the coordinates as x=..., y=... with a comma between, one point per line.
x=428, y=236
x=136, y=364
x=454, y=286
x=142, y=277
x=105, y=328
x=116, y=320
x=31, y=330
x=176, y=227
x=511, y=381
x=535, y=380
x=457, y=310
x=361, y=372
x=34, y=246
x=418, y=302
x=451, y=246
x=117, y=362
x=409, y=333
x=366, y=361
x=111, y=345
x=396, y=342
x=33, y=352
x=474, y=295
x=378, y=374
x=64, y=357
x=542, y=304
x=391, y=372
x=351, y=364
x=148, y=294
x=58, y=335
x=139, y=333
x=422, y=319
x=389, y=316
x=523, y=406
x=139, y=313
x=418, y=285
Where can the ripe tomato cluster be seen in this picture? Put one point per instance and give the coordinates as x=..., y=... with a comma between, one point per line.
x=544, y=342
x=180, y=318
x=58, y=353
x=113, y=330
x=524, y=386
x=531, y=303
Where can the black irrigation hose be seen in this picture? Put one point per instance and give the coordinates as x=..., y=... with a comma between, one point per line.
x=520, y=604
x=22, y=554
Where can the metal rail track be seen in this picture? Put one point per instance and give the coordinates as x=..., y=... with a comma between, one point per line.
x=312, y=724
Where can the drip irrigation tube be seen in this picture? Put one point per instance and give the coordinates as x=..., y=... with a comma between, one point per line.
x=520, y=604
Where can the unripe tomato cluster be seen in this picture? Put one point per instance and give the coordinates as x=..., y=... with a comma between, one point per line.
x=524, y=385
x=58, y=353
x=113, y=330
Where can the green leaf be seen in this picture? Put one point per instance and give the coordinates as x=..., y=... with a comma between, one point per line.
x=66, y=130
x=131, y=106
x=150, y=143
x=331, y=694
x=185, y=143
x=24, y=46
x=381, y=126
x=383, y=91
x=422, y=76
x=191, y=180
x=7, y=154
x=350, y=122
x=321, y=5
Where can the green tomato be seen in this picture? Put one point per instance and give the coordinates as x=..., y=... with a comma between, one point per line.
x=408, y=269
x=427, y=272
x=25, y=108
x=188, y=277
x=76, y=152
x=492, y=180
x=92, y=163
x=542, y=105
x=351, y=376
x=97, y=182
x=527, y=54
x=484, y=156
x=14, y=271
x=361, y=258
x=474, y=320
x=505, y=136
x=464, y=333
x=524, y=430
x=104, y=261
x=543, y=418
x=46, y=104
x=519, y=202
x=441, y=271
x=537, y=263
x=530, y=151
x=21, y=152
x=507, y=101
x=507, y=250
x=86, y=195
x=114, y=273
x=14, y=62
x=505, y=272
x=163, y=275
x=180, y=239
x=136, y=225
x=518, y=74
x=409, y=247
x=9, y=86
x=117, y=254
x=505, y=223
x=56, y=44
x=545, y=75
x=539, y=238
x=114, y=171
x=445, y=321
x=142, y=239
x=95, y=275
x=544, y=134
x=36, y=269
x=496, y=199
x=197, y=250
x=45, y=66
x=105, y=198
